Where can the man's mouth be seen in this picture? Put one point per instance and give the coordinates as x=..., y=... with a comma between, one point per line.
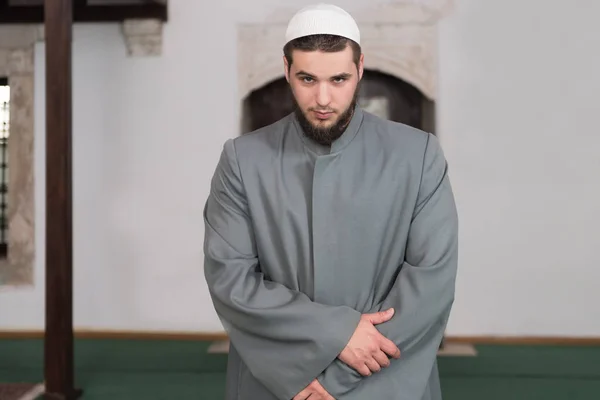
x=323, y=114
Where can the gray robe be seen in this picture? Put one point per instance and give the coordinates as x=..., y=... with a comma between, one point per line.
x=302, y=239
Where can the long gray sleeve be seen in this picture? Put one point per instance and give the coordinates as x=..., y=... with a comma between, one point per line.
x=423, y=292
x=283, y=337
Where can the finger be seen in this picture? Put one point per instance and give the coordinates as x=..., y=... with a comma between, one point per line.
x=382, y=359
x=362, y=369
x=321, y=396
x=303, y=395
x=325, y=395
x=322, y=393
x=373, y=365
x=389, y=347
x=380, y=317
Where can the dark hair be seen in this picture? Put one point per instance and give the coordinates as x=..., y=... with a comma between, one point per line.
x=326, y=43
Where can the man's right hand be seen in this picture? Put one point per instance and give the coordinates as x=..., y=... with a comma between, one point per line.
x=368, y=350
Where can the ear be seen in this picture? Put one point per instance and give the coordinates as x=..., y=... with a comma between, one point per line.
x=286, y=69
x=361, y=66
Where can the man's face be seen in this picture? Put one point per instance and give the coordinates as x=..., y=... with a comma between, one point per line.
x=325, y=87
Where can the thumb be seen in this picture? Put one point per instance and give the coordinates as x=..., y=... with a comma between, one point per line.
x=381, y=316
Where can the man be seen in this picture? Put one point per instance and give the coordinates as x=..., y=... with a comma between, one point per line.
x=331, y=238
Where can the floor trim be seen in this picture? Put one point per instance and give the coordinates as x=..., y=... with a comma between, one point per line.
x=127, y=335
x=526, y=340
x=221, y=336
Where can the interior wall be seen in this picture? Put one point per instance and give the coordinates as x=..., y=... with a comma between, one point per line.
x=516, y=113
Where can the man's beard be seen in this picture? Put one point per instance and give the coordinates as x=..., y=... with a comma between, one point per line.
x=326, y=135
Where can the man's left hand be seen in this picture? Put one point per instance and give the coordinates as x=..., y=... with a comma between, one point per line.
x=314, y=391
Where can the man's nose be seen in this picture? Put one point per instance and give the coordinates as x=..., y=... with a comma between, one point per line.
x=323, y=95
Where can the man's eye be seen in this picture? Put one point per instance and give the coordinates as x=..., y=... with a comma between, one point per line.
x=307, y=79
x=339, y=80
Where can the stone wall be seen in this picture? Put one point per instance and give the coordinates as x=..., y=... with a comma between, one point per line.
x=398, y=38
x=17, y=63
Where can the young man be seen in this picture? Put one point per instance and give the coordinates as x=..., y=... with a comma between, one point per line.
x=331, y=238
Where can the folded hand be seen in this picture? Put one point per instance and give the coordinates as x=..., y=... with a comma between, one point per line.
x=368, y=350
x=314, y=391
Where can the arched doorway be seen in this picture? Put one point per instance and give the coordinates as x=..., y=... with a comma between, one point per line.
x=380, y=94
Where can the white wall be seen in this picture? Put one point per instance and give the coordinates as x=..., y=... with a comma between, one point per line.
x=517, y=108
x=518, y=114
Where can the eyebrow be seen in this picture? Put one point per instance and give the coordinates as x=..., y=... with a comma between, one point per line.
x=343, y=75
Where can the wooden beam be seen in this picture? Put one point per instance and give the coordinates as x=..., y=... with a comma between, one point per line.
x=58, y=345
x=85, y=13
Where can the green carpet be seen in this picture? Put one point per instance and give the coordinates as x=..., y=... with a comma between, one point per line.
x=153, y=370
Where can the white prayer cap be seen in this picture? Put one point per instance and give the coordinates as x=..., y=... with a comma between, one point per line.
x=322, y=19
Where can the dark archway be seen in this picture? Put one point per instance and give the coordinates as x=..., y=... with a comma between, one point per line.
x=380, y=93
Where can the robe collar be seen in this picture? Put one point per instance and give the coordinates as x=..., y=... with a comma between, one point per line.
x=340, y=143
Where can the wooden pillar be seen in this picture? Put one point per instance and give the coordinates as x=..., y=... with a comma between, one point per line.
x=58, y=346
